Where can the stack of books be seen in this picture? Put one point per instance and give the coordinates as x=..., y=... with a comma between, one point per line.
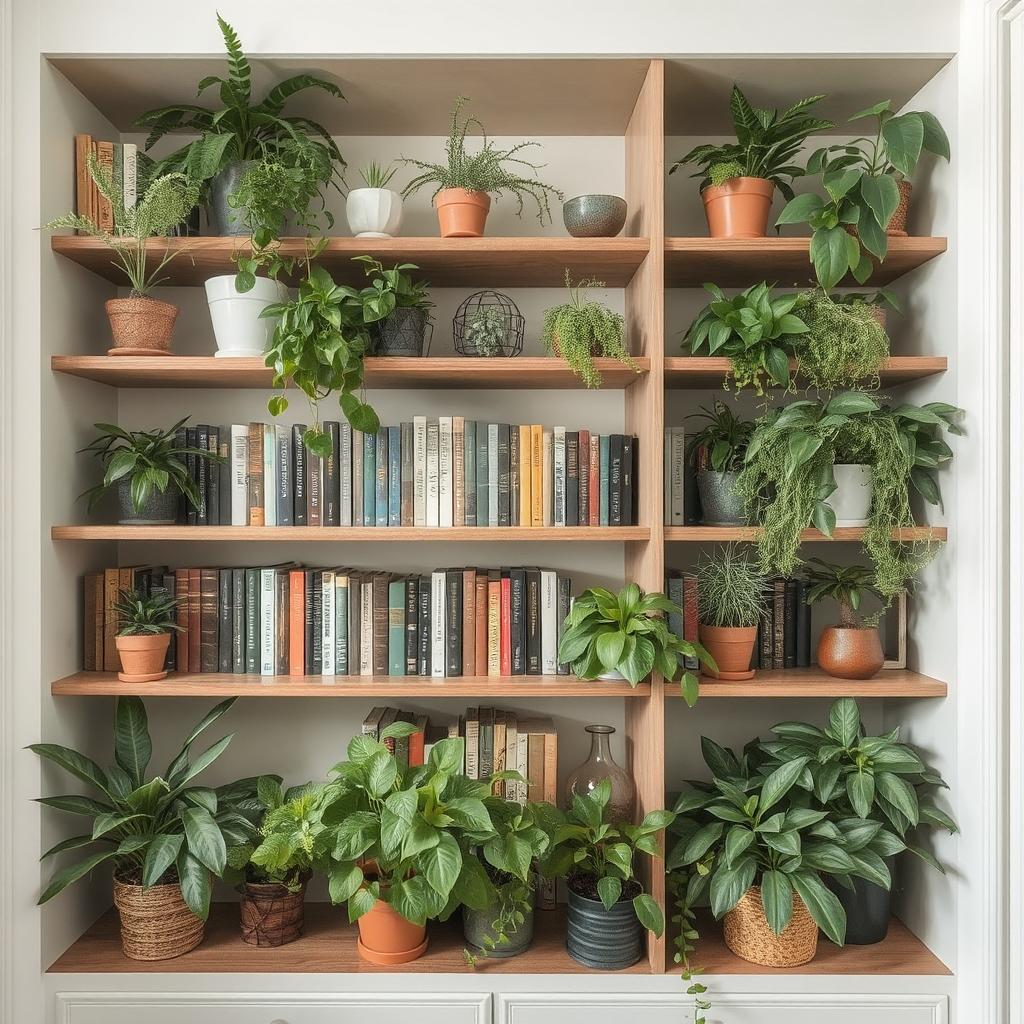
x=121, y=160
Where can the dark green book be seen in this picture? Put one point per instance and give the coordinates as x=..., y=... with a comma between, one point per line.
x=482, y=475
x=396, y=629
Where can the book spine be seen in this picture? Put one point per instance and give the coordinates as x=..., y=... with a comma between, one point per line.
x=285, y=468
x=255, y=475
x=252, y=621
x=224, y=613
x=458, y=471
x=424, y=592
x=765, y=634
x=564, y=588
x=533, y=643
x=433, y=508
x=572, y=478
x=615, y=480
x=117, y=183
x=213, y=474
x=355, y=626
x=629, y=460
x=341, y=658
x=560, y=494
x=111, y=659
x=299, y=473
x=549, y=793
x=330, y=499
x=480, y=618
x=548, y=476
x=675, y=592
x=604, y=502
x=202, y=475
x=268, y=632
x=494, y=624
x=548, y=623
x=513, y=475
x=419, y=471
x=327, y=620
x=130, y=175
x=83, y=182
x=505, y=619
x=195, y=628
x=407, y=490
x=282, y=623
x=315, y=664
x=314, y=489
x=504, y=475
x=382, y=476
x=486, y=743
x=517, y=622
x=803, y=626
x=483, y=475
x=308, y=583
x=472, y=743
x=691, y=627
x=453, y=622
x=396, y=627
x=789, y=625
x=583, y=464
x=674, y=481
x=468, y=613
x=594, y=515
x=370, y=480
x=412, y=625
x=525, y=475
x=105, y=161
x=237, y=640
x=394, y=445
x=437, y=624
x=493, y=473
x=296, y=622
x=269, y=475
x=239, y=475
x=536, y=475
x=345, y=474
x=779, y=623
x=469, y=461
x=358, y=447
x=522, y=762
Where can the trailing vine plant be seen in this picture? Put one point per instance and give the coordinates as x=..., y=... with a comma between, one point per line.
x=845, y=342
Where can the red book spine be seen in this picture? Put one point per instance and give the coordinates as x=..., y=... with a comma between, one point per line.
x=416, y=741
x=595, y=480
x=506, y=625
x=297, y=622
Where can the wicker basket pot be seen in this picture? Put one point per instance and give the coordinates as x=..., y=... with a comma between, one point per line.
x=141, y=326
x=156, y=924
x=271, y=915
x=748, y=935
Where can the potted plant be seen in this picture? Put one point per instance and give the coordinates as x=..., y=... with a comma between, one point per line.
x=397, y=307
x=140, y=324
x=716, y=453
x=730, y=599
x=878, y=791
x=626, y=636
x=395, y=847
x=578, y=330
x=143, y=634
x=488, y=324
x=149, y=471
x=867, y=191
x=167, y=836
x=465, y=183
x=879, y=302
x=376, y=210
x=242, y=132
x=739, y=178
x=608, y=909
x=759, y=848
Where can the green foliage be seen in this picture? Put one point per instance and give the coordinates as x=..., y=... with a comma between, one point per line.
x=767, y=143
x=579, y=330
x=376, y=176
x=844, y=343
x=491, y=169
x=757, y=332
x=725, y=438
x=160, y=830
x=731, y=588
x=844, y=584
x=149, y=458
x=627, y=633
x=586, y=845
x=138, y=615
x=486, y=331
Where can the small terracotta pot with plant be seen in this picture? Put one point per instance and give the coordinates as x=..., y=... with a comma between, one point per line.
x=144, y=633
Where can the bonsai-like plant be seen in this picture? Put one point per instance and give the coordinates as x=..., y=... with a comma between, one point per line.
x=731, y=589
x=376, y=176
x=578, y=330
x=845, y=342
x=140, y=616
x=844, y=584
x=725, y=439
x=860, y=179
x=767, y=144
x=490, y=169
x=628, y=634
x=757, y=332
x=486, y=331
x=163, y=830
x=150, y=459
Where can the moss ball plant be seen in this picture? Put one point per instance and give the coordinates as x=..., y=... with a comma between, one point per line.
x=845, y=343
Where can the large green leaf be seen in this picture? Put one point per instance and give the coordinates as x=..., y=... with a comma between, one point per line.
x=844, y=721
x=904, y=136
x=882, y=197
x=822, y=904
x=194, y=879
x=777, y=900
x=162, y=853
x=729, y=884
x=345, y=879
x=132, y=746
x=609, y=889
x=830, y=255
x=780, y=782
x=899, y=793
x=860, y=787
x=181, y=758
x=76, y=764
x=204, y=838
x=62, y=879
x=74, y=804
x=649, y=913
x=381, y=774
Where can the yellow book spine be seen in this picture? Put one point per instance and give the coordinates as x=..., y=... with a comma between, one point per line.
x=525, y=475
x=537, y=474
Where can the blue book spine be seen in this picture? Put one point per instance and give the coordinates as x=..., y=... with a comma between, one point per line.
x=469, y=483
x=604, y=479
x=369, y=479
x=381, y=488
x=395, y=476
x=482, y=474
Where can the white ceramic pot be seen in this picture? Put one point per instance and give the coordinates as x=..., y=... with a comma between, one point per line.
x=373, y=212
x=851, y=500
x=236, y=315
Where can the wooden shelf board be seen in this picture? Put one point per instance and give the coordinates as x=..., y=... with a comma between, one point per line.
x=813, y=682
x=328, y=946
x=101, y=684
x=739, y=262
x=698, y=372
x=496, y=262
x=448, y=373
x=356, y=534
x=696, y=534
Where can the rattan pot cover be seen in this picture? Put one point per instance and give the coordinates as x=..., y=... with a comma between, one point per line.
x=270, y=914
x=156, y=924
x=748, y=935
x=140, y=326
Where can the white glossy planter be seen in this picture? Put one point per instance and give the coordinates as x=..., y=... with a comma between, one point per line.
x=373, y=212
x=851, y=500
x=236, y=315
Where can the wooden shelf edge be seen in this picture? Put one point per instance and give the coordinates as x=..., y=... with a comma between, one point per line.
x=813, y=682
x=696, y=372
x=696, y=534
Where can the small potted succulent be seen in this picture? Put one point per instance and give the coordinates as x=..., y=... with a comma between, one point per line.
x=374, y=211
x=167, y=836
x=626, y=636
x=465, y=183
x=143, y=634
x=396, y=307
x=716, y=453
x=140, y=325
x=731, y=590
x=579, y=329
x=608, y=909
x=149, y=471
x=738, y=179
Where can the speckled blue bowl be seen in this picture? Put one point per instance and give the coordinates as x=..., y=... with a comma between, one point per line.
x=594, y=216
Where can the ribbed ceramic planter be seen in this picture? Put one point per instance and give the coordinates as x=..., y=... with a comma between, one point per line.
x=373, y=212
x=607, y=940
x=476, y=926
x=223, y=218
x=851, y=500
x=849, y=653
x=738, y=208
x=140, y=326
x=868, y=909
x=719, y=502
x=156, y=924
x=142, y=656
x=748, y=935
x=159, y=509
x=237, y=325
x=270, y=915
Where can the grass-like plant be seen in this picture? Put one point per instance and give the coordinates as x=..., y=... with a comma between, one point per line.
x=491, y=169
x=724, y=437
x=140, y=615
x=376, y=176
x=731, y=588
x=844, y=584
x=845, y=342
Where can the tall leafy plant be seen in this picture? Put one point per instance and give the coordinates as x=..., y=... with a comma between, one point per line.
x=724, y=438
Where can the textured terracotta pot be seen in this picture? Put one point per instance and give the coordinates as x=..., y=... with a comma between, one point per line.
x=732, y=648
x=142, y=657
x=738, y=208
x=385, y=937
x=898, y=221
x=271, y=915
x=850, y=653
x=748, y=935
x=140, y=327
x=156, y=923
x=460, y=213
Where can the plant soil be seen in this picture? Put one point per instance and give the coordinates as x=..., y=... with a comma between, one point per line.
x=131, y=874
x=586, y=886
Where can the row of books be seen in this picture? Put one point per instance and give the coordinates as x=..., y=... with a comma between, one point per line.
x=296, y=620
x=121, y=161
x=444, y=471
x=682, y=505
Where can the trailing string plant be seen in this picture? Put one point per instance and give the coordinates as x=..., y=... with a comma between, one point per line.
x=724, y=439
x=579, y=329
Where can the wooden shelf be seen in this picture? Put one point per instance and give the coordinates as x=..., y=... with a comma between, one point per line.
x=698, y=372
x=456, y=373
x=328, y=946
x=357, y=534
x=496, y=262
x=739, y=262
x=813, y=682
x=103, y=684
x=696, y=534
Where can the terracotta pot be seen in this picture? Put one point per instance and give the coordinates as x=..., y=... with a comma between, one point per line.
x=847, y=652
x=738, y=208
x=898, y=221
x=156, y=923
x=748, y=935
x=140, y=327
x=385, y=937
x=732, y=648
x=270, y=914
x=142, y=657
x=460, y=213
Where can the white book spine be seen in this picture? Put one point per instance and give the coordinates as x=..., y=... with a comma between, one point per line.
x=437, y=623
x=492, y=474
x=677, y=445
x=510, y=790
x=548, y=622
x=357, y=478
x=345, y=477
x=548, y=475
x=433, y=474
x=366, y=628
x=239, y=474
x=419, y=471
x=269, y=475
x=129, y=174
x=666, y=475
x=267, y=623
x=522, y=766
x=559, y=475
x=446, y=469
x=327, y=623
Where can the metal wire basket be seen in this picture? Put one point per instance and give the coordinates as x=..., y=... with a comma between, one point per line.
x=488, y=323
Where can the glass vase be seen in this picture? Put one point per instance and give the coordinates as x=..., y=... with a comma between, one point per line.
x=601, y=765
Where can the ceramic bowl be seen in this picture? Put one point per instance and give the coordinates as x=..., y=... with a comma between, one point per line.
x=594, y=216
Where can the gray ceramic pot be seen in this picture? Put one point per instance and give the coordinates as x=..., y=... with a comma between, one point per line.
x=607, y=940
x=594, y=216
x=224, y=219
x=868, y=908
x=159, y=509
x=719, y=502
x=476, y=926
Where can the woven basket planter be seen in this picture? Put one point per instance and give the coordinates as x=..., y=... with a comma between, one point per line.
x=748, y=935
x=270, y=914
x=156, y=924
